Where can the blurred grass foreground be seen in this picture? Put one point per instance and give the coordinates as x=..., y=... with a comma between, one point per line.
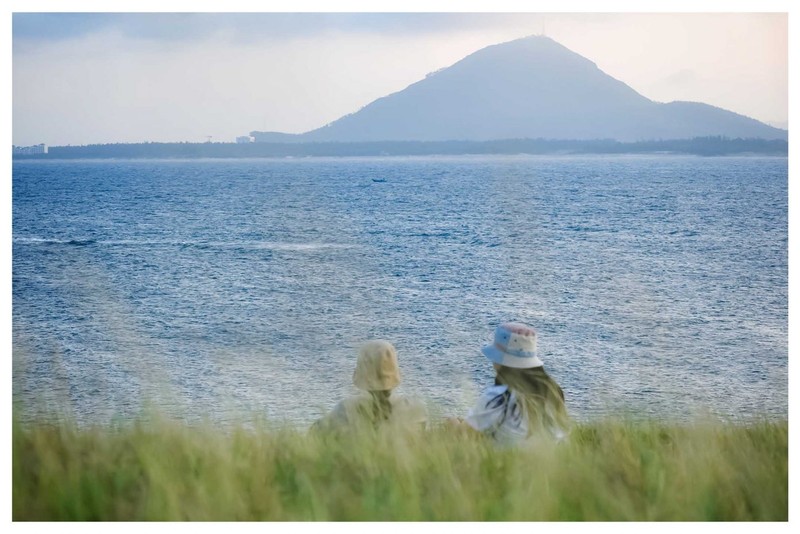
x=618, y=470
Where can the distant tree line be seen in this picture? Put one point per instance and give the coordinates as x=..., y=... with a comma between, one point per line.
x=704, y=146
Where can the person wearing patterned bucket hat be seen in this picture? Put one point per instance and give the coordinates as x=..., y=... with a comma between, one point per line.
x=524, y=401
x=376, y=374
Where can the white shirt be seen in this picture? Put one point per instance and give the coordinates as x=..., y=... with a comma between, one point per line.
x=500, y=415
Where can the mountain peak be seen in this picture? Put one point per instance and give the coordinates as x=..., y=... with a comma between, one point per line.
x=533, y=49
x=532, y=87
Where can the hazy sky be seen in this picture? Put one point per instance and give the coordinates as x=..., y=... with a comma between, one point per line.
x=81, y=78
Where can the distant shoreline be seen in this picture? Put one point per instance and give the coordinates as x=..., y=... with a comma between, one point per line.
x=699, y=146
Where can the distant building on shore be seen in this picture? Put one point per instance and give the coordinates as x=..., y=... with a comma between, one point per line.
x=244, y=139
x=29, y=150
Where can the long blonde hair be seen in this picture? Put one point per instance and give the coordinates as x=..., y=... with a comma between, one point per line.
x=540, y=395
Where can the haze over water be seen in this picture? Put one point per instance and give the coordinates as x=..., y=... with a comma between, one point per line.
x=217, y=288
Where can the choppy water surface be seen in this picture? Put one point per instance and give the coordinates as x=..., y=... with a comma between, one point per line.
x=218, y=288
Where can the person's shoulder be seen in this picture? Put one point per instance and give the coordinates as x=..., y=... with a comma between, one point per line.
x=493, y=394
x=405, y=400
x=495, y=390
x=410, y=407
x=349, y=404
x=343, y=411
x=489, y=410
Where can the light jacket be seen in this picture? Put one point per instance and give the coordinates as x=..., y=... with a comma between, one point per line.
x=357, y=411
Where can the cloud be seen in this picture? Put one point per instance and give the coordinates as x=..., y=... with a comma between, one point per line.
x=30, y=28
x=679, y=81
x=100, y=77
x=100, y=88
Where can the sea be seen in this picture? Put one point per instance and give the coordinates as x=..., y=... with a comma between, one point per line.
x=222, y=290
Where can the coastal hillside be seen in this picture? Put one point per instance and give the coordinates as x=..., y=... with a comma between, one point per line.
x=614, y=470
x=532, y=88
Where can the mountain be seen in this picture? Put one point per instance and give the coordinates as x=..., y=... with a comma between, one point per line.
x=528, y=88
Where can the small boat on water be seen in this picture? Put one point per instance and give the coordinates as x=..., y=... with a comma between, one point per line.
x=379, y=180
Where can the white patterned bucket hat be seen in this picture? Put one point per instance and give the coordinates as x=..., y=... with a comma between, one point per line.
x=376, y=368
x=514, y=346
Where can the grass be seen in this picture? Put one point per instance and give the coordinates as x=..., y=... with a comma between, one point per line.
x=615, y=470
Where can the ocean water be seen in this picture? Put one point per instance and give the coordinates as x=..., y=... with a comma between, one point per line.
x=216, y=289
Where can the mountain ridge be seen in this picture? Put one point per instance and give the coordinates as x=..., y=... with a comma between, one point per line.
x=534, y=88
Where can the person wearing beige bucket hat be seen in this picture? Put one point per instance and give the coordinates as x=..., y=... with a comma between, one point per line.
x=524, y=401
x=376, y=374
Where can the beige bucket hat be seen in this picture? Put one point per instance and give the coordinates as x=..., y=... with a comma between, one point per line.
x=376, y=368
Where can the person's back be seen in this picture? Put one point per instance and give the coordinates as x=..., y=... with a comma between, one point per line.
x=365, y=411
x=376, y=374
x=525, y=403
